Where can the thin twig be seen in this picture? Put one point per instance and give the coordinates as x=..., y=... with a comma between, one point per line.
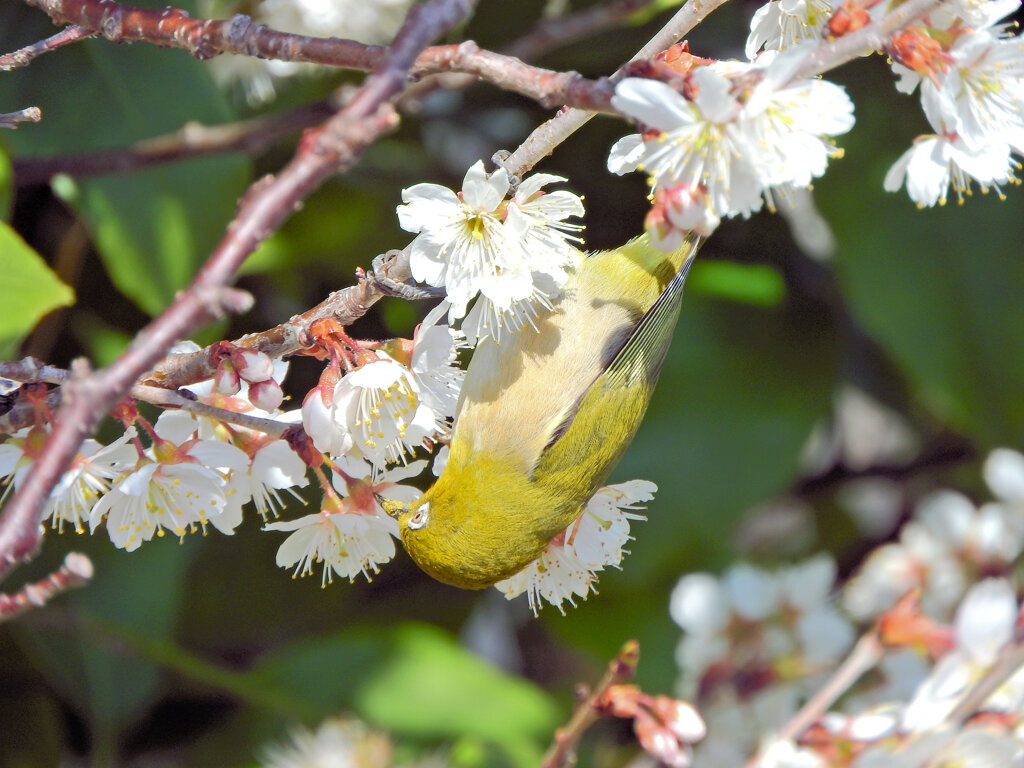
x=169, y=398
x=75, y=572
x=24, y=56
x=1010, y=661
x=14, y=119
x=29, y=369
x=346, y=306
x=865, y=654
x=324, y=151
x=542, y=141
x=564, y=30
x=191, y=140
x=620, y=670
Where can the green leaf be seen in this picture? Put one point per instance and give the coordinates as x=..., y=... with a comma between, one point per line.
x=152, y=232
x=431, y=686
x=28, y=291
x=417, y=682
x=152, y=227
x=756, y=284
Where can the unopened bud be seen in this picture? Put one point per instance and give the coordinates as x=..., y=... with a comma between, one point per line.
x=266, y=395
x=660, y=742
x=905, y=625
x=252, y=365
x=677, y=212
x=226, y=381
x=680, y=718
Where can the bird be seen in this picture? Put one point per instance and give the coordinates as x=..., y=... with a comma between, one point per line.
x=545, y=415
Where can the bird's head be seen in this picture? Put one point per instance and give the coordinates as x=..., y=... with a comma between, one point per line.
x=463, y=539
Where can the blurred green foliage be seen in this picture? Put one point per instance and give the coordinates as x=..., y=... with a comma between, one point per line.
x=28, y=291
x=204, y=651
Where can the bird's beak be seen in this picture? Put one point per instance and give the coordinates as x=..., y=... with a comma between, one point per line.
x=391, y=507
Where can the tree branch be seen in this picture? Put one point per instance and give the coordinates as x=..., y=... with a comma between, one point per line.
x=324, y=151
x=206, y=38
x=192, y=140
x=14, y=119
x=620, y=670
x=75, y=572
x=23, y=56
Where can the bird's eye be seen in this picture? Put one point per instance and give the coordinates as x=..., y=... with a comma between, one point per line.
x=418, y=520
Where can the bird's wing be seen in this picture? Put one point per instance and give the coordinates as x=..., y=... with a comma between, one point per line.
x=643, y=351
x=604, y=419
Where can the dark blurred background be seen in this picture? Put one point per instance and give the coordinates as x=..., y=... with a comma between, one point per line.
x=197, y=653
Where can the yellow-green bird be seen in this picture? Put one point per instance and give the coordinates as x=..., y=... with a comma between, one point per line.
x=544, y=416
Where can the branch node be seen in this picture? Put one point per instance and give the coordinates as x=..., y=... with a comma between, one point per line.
x=112, y=25
x=382, y=282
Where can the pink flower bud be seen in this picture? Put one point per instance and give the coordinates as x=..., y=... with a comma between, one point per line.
x=679, y=717
x=689, y=209
x=226, y=381
x=660, y=742
x=266, y=395
x=251, y=365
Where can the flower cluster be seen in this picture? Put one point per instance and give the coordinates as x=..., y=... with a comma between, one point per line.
x=175, y=486
x=944, y=616
x=570, y=564
x=195, y=472
x=970, y=70
x=946, y=545
x=512, y=255
x=754, y=643
x=393, y=403
x=739, y=133
x=927, y=674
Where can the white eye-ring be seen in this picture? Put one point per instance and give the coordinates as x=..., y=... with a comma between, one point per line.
x=418, y=520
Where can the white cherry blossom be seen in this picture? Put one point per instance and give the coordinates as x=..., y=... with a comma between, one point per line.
x=781, y=23
x=91, y=475
x=350, y=535
x=380, y=406
x=734, y=141
x=511, y=253
x=934, y=163
x=274, y=467
x=569, y=565
x=699, y=144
